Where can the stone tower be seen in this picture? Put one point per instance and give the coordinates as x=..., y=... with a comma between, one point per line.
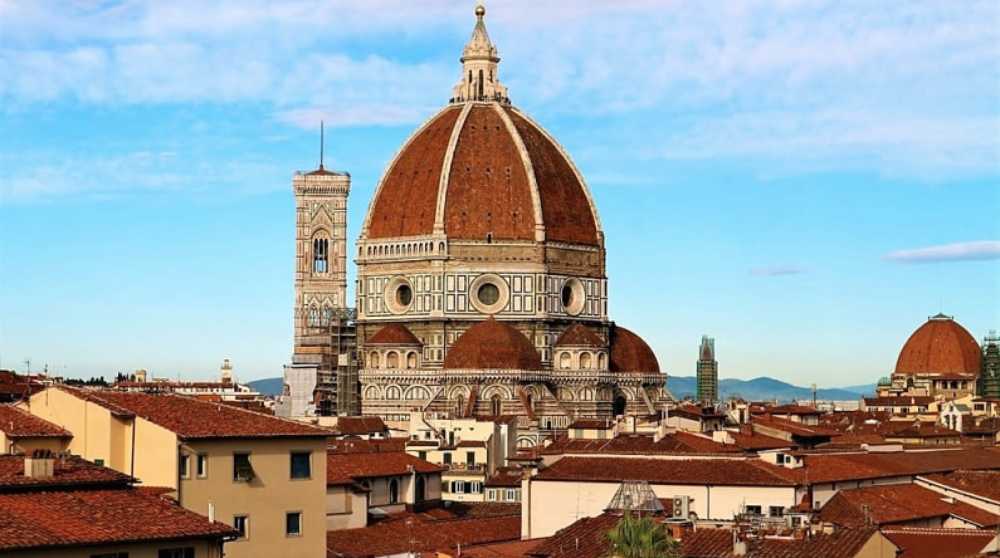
x=322, y=378
x=707, y=369
x=320, y=247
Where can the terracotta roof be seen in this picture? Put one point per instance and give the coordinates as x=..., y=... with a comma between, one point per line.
x=578, y=335
x=360, y=426
x=828, y=468
x=758, y=442
x=48, y=520
x=793, y=428
x=584, y=538
x=794, y=410
x=420, y=533
x=639, y=444
x=67, y=471
x=190, y=418
x=17, y=423
x=491, y=344
x=718, y=543
x=939, y=346
x=981, y=483
x=593, y=424
x=514, y=549
x=343, y=468
x=939, y=543
x=393, y=334
x=898, y=504
x=505, y=477
x=923, y=430
x=357, y=445
x=629, y=353
x=487, y=187
x=720, y=472
x=899, y=401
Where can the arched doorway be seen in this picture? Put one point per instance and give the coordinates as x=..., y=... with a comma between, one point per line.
x=496, y=406
x=620, y=404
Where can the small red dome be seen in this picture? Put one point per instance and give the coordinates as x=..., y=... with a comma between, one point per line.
x=578, y=335
x=940, y=346
x=393, y=334
x=492, y=345
x=629, y=353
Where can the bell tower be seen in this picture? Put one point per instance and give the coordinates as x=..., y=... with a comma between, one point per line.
x=320, y=247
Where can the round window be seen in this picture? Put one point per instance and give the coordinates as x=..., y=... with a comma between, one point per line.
x=404, y=295
x=488, y=294
x=567, y=295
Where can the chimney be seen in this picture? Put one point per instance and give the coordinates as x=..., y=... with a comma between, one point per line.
x=39, y=464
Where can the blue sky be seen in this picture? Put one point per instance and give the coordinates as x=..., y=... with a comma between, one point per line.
x=804, y=181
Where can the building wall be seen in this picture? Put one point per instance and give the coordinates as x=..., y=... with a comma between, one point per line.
x=27, y=444
x=557, y=504
x=822, y=493
x=202, y=549
x=266, y=498
x=878, y=546
x=345, y=509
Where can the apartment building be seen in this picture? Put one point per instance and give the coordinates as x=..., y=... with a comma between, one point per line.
x=265, y=476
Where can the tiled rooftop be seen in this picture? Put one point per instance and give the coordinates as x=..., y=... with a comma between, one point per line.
x=71, y=470
x=360, y=426
x=827, y=468
x=641, y=444
x=439, y=529
x=190, y=418
x=505, y=477
x=718, y=543
x=346, y=468
x=939, y=543
x=981, y=483
x=17, y=423
x=720, y=472
x=48, y=520
x=898, y=504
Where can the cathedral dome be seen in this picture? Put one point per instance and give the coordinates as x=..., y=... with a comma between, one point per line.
x=482, y=170
x=940, y=346
x=629, y=353
x=492, y=345
x=393, y=334
x=577, y=335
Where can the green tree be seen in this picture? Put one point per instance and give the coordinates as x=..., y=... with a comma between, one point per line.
x=641, y=537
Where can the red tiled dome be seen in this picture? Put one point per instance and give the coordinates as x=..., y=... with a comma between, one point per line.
x=492, y=345
x=940, y=346
x=578, y=335
x=629, y=353
x=502, y=175
x=393, y=334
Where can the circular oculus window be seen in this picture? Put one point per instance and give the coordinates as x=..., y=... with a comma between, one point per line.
x=489, y=293
x=573, y=296
x=398, y=295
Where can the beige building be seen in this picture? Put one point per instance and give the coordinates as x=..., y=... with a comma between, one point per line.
x=21, y=432
x=262, y=475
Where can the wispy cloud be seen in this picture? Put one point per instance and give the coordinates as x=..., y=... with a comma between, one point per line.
x=776, y=270
x=964, y=251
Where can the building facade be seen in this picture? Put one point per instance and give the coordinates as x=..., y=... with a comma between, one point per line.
x=482, y=286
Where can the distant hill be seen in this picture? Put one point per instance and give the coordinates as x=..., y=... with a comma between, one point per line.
x=268, y=386
x=766, y=389
x=758, y=389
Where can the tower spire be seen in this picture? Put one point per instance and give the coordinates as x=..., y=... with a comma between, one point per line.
x=321, y=145
x=480, y=79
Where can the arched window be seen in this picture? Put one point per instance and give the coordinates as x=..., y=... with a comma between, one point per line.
x=411, y=360
x=460, y=406
x=620, y=405
x=373, y=360
x=421, y=494
x=496, y=405
x=327, y=315
x=481, y=93
x=392, y=393
x=321, y=247
x=585, y=361
x=313, y=316
x=601, y=361
x=564, y=361
x=392, y=360
x=393, y=491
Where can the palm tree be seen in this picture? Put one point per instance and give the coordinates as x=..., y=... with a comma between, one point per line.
x=641, y=538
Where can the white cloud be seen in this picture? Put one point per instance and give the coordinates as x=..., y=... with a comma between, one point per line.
x=776, y=270
x=906, y=86
x=964, y=251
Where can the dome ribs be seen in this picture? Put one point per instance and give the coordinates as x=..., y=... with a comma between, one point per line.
x=492, y=345
x=489, y=196
x=407, y=199
x=566, y=208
